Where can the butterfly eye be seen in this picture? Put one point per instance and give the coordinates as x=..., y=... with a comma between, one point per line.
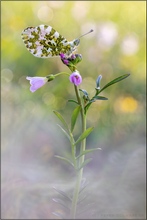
x=76, y=42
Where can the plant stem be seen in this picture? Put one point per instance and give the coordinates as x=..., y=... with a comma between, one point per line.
x=58, y=74
x=81, y=159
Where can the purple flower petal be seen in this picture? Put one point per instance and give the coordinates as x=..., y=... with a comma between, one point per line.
x=66, y=62
x=75, y=78
x=62, y=55
x=36, y=82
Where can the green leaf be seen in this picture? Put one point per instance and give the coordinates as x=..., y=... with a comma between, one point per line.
x=71, y=100
x=62, y=129
x=65, y=159
x=93, y=100
x=99, y=98
x=114, y=81
x=63, y=194
x=84, y=163
x=84, y=134
x=87, y=151
x=74, y=117
x=61, y=119
x=84, y=91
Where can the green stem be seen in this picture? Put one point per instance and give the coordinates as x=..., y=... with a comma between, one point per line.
x=58, y=74
x=73, y=148
x=81, y=159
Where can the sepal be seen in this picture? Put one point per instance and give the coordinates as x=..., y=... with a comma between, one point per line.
x=50, y=77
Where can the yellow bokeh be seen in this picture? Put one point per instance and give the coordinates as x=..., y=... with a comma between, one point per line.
x=127, y=104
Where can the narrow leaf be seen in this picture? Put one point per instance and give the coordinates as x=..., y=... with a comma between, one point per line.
x=71, y=100
x=87, y=151
x=93, y=100
x=74, y=117
x=61, y=119
x=114, y=81
x=84, y=163
x=84, y=134
x=62, y=193
x=100, y=98
x=64, y=132
x=65, y=159
x=84, y=91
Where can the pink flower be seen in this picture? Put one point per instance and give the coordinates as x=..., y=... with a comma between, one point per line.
x=36, y=82
x=75, y=78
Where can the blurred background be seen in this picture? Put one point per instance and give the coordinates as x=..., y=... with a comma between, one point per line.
x=30, y=135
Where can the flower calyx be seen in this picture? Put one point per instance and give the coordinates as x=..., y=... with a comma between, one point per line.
x=50, y=77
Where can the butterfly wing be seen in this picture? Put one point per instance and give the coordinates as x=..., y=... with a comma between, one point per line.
x=43, y=41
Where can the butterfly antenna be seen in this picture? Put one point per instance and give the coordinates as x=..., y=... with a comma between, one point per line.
x=86, y=33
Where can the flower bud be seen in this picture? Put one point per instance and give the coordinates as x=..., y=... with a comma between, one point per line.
x=75, y=78
x=71, y=61
x=98, y=82
x=75, y=58
x=50, y=77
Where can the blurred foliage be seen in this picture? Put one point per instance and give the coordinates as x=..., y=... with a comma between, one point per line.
x=30, y=136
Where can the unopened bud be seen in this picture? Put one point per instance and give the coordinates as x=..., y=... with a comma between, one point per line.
x=98, y=82
x=50, y=77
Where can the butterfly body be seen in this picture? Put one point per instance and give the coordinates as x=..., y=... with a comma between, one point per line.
x=43, y=41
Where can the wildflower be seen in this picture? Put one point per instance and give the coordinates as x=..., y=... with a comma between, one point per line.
x=36, y=82
x=75, y=78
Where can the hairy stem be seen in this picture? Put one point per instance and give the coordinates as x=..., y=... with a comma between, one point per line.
x=81, y=159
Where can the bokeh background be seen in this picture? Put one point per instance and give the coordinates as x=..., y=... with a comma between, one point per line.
x=30, y=135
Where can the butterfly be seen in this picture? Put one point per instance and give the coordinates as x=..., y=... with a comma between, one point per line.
x=44, y=42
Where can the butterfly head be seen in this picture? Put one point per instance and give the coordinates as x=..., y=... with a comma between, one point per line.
x=76, y=42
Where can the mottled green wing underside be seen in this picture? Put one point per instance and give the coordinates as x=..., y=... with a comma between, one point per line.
x=43, y=41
